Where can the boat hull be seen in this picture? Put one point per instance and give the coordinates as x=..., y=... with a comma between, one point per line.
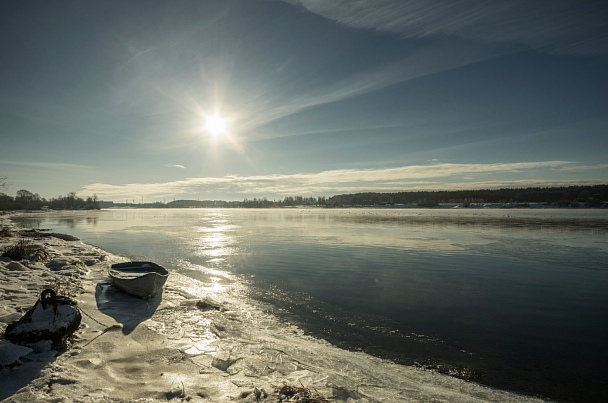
x=141, y=279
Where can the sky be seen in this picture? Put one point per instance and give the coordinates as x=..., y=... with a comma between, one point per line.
x=227, y=100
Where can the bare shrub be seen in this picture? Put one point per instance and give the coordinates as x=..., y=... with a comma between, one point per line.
x=20, y=250
x=300, y=394
x=64, y=289
x=5, y=232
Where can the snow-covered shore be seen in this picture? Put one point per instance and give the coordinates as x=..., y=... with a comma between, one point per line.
x=201, y=342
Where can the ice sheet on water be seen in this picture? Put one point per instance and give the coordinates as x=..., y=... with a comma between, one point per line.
x=227, y=334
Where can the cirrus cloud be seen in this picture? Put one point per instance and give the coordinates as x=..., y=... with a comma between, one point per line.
x=567, y=27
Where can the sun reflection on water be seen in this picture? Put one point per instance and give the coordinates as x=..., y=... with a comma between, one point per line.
x=216, y=241
x=210, y=281
x=215, y=286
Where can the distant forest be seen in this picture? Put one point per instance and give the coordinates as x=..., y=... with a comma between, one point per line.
x=26, y=200
x=571, y=196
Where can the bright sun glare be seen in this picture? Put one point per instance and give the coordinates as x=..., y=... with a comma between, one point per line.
x=215, y=125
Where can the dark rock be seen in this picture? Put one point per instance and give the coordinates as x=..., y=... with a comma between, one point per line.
x=52, y=318
x=207, y=306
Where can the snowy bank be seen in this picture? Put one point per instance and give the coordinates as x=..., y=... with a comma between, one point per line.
x=200, y=342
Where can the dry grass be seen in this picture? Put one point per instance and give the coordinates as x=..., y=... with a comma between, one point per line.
x=5, y=232
x=300, y=394
x=20, y=250
x=64, y=289
x=24, y=249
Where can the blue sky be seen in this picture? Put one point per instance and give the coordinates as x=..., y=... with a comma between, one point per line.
x=317, y=97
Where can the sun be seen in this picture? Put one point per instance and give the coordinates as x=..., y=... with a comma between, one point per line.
x=215, y=125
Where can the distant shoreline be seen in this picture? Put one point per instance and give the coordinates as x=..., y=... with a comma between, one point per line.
x=595, y=196
x=394, y=206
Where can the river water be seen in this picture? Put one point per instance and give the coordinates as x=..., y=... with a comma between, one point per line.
x=514, y=299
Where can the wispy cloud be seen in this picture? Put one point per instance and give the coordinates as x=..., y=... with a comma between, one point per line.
x=432, y=59
x=175, y=166
x=417, y=177
x=557, y=26
x=464, y=32
x=582, y=168
x=49, y=165
x=461, y=33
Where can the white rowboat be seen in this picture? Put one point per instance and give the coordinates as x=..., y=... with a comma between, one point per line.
x=142, y=279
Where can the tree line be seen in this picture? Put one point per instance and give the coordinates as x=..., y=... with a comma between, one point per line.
x=289, y=201
x=570, y=196
x=26, y=200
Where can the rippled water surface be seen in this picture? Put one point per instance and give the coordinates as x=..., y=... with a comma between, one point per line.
x=516, y=299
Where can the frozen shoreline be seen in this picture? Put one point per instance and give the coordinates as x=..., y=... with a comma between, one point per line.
x=200, y=343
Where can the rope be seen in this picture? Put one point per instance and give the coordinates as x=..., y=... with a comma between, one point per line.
x=107, y=328
x=92, y=318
